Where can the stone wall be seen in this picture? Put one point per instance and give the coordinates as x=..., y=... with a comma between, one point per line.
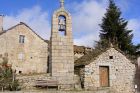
x=121, y=72
x=28, y=57
x=27, y=82
x=79, y=71
x=138, y=62
x=137, y=78
x=52, y=91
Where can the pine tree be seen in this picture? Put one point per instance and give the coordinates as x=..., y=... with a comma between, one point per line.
x=114, y=31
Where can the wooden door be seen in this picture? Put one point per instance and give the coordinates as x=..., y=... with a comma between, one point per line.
x=104, y=76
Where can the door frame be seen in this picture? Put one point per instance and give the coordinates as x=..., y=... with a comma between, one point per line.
x=108, y=67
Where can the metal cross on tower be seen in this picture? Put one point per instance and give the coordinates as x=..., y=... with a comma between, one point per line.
x=62, y=3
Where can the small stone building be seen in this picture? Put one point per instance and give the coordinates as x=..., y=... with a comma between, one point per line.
x=107, y=69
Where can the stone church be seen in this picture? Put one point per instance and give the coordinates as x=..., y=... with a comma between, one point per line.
x=28, y=53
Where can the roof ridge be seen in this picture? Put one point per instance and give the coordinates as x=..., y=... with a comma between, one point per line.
x=22, y=23
x=81, y=61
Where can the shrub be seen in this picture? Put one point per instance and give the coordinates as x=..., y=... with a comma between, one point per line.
x=7, y=77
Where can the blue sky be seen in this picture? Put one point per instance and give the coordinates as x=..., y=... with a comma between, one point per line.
x=86, y=14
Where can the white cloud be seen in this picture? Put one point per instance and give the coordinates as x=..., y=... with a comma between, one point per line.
x=34, y=17
x=134, y=25
x=86, y=19
x=86, y=40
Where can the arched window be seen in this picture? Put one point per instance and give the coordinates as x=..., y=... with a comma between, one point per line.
x=62, y=25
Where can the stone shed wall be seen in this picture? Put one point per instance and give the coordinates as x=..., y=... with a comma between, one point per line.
x=121, y=72
x=137, y=78
x=79, y=71
x=138, y=62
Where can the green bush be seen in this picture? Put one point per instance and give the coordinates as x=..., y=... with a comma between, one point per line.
x=7, y=77
x=14, y=86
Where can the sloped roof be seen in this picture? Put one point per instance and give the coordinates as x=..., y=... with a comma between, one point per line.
x=22, y=23
x=2, y=32
x=88, y=58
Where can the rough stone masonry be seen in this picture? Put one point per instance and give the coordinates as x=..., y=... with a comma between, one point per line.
x=62, y=56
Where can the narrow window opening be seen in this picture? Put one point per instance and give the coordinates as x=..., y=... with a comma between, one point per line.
x=21, y=56
x=62, y=25
x=20, y=72
x=21, y=39
x=110, y=57
x=62, y=33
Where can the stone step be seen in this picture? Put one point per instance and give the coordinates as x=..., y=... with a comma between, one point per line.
x=54, y=91
x=103, y=90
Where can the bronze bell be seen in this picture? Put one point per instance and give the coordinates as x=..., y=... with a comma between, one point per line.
x=62, y=24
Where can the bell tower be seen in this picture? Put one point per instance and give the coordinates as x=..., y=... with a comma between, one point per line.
x=1, y=23
x=61, y=55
